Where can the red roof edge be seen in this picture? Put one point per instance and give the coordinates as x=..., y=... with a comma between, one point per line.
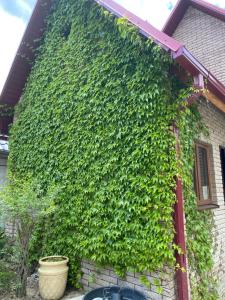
x=25, y=55
x=182, y=6
x=165, y=41
x=175, y=17
x=209, y=9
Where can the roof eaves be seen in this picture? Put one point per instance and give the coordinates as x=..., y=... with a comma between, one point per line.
x=194, y=67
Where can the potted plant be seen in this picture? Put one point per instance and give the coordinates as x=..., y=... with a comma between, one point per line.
x=53, y=274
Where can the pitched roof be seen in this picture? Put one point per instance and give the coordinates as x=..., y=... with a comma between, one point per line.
x=21, y=66
x=182, y=6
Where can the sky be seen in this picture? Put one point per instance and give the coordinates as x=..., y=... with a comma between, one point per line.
x=14, y=15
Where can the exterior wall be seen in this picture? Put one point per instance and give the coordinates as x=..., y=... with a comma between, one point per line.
x=94, y=277
x=204, y=36
x=215, y=121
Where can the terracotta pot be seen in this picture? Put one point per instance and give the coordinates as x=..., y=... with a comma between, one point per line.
x=53, y=274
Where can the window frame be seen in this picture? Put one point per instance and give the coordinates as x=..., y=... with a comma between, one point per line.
x=208, y=149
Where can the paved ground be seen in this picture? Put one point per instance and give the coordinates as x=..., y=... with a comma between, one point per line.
x=73, y=295
x=76, y=298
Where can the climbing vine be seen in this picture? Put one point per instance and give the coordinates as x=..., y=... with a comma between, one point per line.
x=95, y=119
x=199, y=224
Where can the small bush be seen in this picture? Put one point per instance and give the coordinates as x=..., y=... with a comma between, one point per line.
x=25, y=202
x=7, y=278
x=6, y=247
x=2, y=242
x=7, y=274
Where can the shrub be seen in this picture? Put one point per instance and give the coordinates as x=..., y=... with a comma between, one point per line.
x=24, y=202
x=7, y=275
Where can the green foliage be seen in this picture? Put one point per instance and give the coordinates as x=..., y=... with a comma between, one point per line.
x=7, y=275
x=2, y=242
x=199, y=224
x=94, y=119
x=7, y=278
x=5, y=246
x=23, y=201
x=98, y=131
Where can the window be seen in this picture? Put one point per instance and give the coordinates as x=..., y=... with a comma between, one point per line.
x=202, y=174
x=222, y=160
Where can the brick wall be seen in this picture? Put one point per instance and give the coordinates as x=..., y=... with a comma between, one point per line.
x=215, y=121
x=94, y=277
x=204, y=36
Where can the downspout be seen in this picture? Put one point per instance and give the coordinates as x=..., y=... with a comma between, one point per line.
x=181, y=259
x=180, y=240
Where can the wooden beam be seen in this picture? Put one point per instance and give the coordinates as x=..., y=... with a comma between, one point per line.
x=214, y=100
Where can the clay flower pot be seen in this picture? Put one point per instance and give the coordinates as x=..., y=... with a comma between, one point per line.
x=53, y=273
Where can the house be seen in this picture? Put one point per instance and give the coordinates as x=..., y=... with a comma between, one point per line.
x=201, y=27
x=81, y=61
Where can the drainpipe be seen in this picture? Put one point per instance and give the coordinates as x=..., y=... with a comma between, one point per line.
x=181, y=259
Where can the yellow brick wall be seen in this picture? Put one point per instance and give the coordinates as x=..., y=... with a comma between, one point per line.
x=204, y=36
x=215, y=121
